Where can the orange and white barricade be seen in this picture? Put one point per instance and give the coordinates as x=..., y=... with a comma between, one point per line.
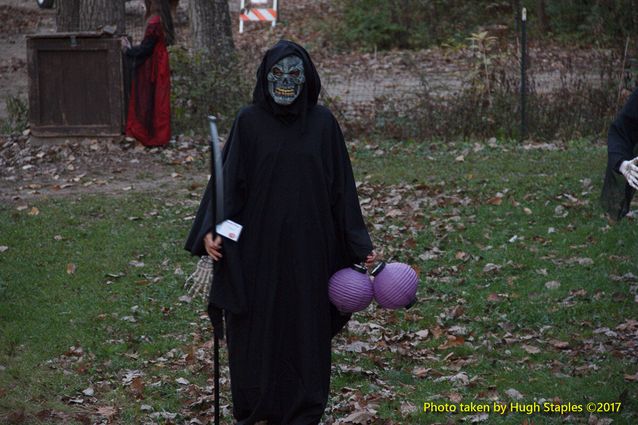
x=263, y=14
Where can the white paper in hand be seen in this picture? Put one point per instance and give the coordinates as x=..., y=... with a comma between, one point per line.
x=229, y=229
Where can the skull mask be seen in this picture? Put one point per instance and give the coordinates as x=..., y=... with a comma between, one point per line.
x=286, y=79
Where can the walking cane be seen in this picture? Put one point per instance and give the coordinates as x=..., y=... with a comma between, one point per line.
x=217, y=216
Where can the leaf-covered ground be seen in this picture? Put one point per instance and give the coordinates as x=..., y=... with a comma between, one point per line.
x=527, y=295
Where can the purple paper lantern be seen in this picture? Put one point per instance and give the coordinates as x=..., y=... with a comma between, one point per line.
x=395, y=285
x=350, y=289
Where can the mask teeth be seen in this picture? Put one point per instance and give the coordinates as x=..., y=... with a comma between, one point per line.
x=285, y=92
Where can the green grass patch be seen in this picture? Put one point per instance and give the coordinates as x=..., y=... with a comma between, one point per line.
x=89, y=293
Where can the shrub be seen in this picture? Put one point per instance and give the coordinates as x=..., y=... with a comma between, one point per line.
x=590, y=20
x=414, y=24
x=488, y=105
x=201, y=86
x=387, y=24
x=18, y=116
x=371, y=23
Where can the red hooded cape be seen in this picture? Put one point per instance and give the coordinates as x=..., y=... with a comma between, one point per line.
x=149, y=113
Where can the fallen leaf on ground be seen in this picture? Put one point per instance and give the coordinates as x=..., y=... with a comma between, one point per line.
x=455, y=397
x=493, y=297
x=514, y=394
x=437, y=332
x=422, y=334
x=420, y=372
x=107, y=411
x=552, y=284
x=559, y=344
x=531, y=349
x=491, y=267
x=452, y=341
x=473, y=419
x=595, y=420
x=357, y=418
x=137, y=386
x=407, y=408
x=357, y=347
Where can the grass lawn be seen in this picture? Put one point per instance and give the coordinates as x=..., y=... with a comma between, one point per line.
x=527, y=296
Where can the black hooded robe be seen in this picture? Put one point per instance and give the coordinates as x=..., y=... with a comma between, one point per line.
x=288, y=180
x=622, y=146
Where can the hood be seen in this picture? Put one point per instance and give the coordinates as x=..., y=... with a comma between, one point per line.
x=309, y=92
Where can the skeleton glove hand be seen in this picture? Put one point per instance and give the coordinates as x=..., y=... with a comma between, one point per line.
x=629, y=169
x=198, y=283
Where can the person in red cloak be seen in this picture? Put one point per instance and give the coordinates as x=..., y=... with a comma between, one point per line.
x=149, y=115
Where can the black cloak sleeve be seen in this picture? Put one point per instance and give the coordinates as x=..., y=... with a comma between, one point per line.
x=145, y=48
x=357, y=240
x=227, y=291
x=234, y=195
x=621, y=146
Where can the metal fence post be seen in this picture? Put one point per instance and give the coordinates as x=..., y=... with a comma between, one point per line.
x=523, y=135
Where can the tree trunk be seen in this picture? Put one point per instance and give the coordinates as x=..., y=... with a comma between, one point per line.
x=90, y=15
x=67, y=18
x=99, y=13
x=210, y=28
x=543, y=19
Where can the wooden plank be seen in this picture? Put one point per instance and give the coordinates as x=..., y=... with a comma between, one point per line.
x=75, y=86
x=117, y=90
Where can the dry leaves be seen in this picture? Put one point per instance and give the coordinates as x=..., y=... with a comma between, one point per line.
x=358, y=418
x=496, y=200
x=452, y=341
x=109, y=412
x=552, y=284
x=530, y=349
x=514, y=394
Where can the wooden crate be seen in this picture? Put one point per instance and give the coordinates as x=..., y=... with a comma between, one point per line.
x=75, y=85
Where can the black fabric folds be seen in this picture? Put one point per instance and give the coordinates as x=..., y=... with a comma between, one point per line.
x=145, y=49
x=288, y=180
x=621, y=146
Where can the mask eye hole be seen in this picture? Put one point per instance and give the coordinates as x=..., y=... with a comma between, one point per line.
x=277, y=72
x=295, y=73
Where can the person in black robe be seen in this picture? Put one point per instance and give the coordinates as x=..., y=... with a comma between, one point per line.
x=288, y=181
x=621, y=177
